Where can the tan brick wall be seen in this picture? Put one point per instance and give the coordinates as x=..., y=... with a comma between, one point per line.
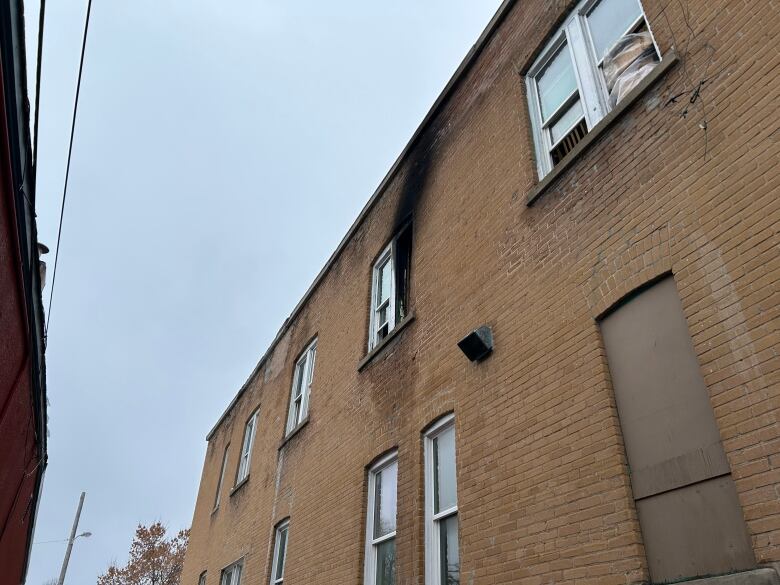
x=544, y=494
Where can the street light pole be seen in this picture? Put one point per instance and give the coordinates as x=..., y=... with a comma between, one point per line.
x=71, y=539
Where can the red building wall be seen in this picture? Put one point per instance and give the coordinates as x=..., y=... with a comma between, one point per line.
x=19, y=445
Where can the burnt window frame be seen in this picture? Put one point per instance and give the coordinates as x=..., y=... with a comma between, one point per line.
x=574, y=37
x=398, y=254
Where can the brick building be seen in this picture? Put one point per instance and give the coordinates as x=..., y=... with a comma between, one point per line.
x=619, y=237
x=23, y=443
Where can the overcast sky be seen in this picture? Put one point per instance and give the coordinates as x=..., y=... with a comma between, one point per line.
x=222, y=150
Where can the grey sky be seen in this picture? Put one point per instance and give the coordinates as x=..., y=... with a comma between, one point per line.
x=223, y=148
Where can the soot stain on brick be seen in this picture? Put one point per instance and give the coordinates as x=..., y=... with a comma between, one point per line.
x=416, y=178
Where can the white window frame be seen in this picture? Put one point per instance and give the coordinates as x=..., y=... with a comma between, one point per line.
x=218, y=495
x=245, y=457
x=369, y=575
x=202, y=578
x=432, y=532
x=304, y=373
x=233, y=572
x=387, y=256
x=281, y=527
x=575, y=34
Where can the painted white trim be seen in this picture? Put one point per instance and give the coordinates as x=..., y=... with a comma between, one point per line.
x=306, y=359
x=575, y=33
x=432, y=537
x=369, y=571
x=387, y=256
x=235, y=579
x=242, y=472
x=282, y=527
x=218, y=495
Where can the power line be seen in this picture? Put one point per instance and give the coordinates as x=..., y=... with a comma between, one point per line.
x=67, y=168
x=41, y=21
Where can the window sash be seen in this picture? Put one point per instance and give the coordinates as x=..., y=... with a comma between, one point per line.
x=372, y=542
x=218, y=495
x=575, y=36
x=231, y=575
x=278, y=566
x=433, y=519
x=301, y=387
x=387, y=257
x=246, y=448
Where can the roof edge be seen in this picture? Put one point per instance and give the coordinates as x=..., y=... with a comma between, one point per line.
x=446, y=93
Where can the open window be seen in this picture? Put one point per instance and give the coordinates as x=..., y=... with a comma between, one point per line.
x=302, y=377
x=390, y=286
x=246, y=449
x=218, y=495
x=603, y=49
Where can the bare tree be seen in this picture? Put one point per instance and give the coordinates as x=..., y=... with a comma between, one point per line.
x=154, y=559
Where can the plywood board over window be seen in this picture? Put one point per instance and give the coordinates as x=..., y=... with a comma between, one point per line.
x=687, y=503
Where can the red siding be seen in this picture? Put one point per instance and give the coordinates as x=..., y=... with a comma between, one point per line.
x=18, y=442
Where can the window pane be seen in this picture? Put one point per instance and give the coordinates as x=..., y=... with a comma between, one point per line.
x=310, y=362
x=385, y=502
x=450, y=558
x=556, y=82
x=566, y=121
x=282, y=536
x=299, y=374
x=383, y=283
x=445, y=495
x=610, y=20
x=385, y=563
x=248, y=436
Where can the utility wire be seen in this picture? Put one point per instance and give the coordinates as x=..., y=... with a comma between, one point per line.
x=41, y=21
x=50, y=541
x=67, y=168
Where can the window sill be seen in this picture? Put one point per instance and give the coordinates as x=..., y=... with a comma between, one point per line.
x=239, y=485
x=669, y=61
x=294, y=432
x=369, y=357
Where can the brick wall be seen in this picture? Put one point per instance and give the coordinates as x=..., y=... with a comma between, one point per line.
x=544, y=493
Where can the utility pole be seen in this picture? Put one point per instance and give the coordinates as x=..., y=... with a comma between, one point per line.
x=71, y=539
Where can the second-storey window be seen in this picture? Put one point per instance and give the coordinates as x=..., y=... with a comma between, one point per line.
x=202, y=578
x=221, y=478
x=442, y=558
x=280, y=553
x=571, y=86
x=302, y=377
x=380, y=526
x=390, y=287
x=231, y=575
x=246, y=449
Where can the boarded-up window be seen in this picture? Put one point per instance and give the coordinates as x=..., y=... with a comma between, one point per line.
x=686, y=500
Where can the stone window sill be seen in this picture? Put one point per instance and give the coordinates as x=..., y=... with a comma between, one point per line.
x=669, y=60
x=294, y=432
x=371, y=355
x=238, y=486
